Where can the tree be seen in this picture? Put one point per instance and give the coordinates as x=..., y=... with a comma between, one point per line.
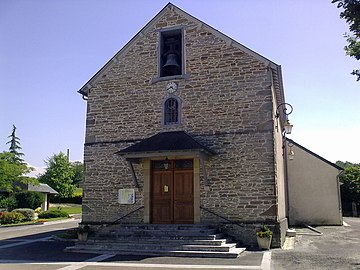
x=59, y=175
x=12, y=172
x=12, y=166
x=350, y=188
x=29, y=199
x=78, y=172
x=346, y=164
x=351, y=14
x=15, y=146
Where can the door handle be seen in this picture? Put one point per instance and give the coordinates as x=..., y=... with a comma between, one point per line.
x=166, y=188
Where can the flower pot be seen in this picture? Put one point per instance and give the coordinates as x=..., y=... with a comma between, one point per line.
x=83, y=236
x=264, y=242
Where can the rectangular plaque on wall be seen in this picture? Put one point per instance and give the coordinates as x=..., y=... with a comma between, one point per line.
x=127, y=196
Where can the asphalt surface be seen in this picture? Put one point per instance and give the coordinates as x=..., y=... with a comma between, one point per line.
x=337, y=248
x=32, y=247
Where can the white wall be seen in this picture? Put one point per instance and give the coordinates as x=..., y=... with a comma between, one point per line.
x=313, y=190
x=279, y=167
x=280, y=171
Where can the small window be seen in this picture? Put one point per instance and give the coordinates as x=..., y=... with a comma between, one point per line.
x=171, y=53
x=160, y=164
x=184, y=164
x=171, y=111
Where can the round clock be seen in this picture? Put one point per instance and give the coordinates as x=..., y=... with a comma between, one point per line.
x=171, y=87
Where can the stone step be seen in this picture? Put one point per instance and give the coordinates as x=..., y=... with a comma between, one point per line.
x=179, y=227
x=158, y=231
x=154, y=246
x=222, y=248
x=233, y=253
x=211, y=242
x=119, y=236
x=155, y=229
x=159, y=240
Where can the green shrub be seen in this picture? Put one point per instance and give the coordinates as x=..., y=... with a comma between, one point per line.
x=28, y=213
x=76, y=199
x=53, y=213
x=78, y=192
x=11, y=218
x=29, y=199
x=8, y=203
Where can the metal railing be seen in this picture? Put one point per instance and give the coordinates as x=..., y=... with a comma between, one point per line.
x=224, y=218
x=124, y=216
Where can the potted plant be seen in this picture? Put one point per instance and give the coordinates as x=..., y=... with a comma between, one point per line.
x=83, y=232
x=263, y=237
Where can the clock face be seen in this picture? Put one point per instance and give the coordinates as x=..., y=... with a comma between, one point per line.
x=171, y=87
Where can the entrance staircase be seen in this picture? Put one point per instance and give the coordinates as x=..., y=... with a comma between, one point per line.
x=159, y=240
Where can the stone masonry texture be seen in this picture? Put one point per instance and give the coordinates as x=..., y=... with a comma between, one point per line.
x=226, y=105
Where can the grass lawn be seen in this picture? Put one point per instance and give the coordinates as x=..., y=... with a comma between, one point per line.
x=70, y=209
x=41, y=220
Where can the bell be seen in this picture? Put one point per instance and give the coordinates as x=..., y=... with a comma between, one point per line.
x=171, y=65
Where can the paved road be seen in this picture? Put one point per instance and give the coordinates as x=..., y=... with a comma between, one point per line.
x=32, y=248
x=338, y=248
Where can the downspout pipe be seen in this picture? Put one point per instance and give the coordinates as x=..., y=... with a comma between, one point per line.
x=339, y=194
x=286, y=180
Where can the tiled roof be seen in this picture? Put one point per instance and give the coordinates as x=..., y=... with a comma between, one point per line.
x=44, y=188
x=167, y=141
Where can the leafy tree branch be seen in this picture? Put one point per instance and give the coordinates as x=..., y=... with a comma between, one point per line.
x=351, y=13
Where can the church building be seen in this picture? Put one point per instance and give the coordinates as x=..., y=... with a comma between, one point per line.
x=186, y=125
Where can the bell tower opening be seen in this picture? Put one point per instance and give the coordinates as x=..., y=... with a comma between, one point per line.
x=171, y=53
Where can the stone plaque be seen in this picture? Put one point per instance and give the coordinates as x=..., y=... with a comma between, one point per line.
x=127, y=196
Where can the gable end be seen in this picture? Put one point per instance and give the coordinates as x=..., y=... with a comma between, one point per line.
x=85, y=90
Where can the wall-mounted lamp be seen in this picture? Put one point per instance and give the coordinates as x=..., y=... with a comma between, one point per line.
x=291, y=153
x=288, y=127
x=286, y=110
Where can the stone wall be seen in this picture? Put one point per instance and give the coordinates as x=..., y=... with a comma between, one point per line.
x=227, y=90
x=241, y=176
x=105, y=174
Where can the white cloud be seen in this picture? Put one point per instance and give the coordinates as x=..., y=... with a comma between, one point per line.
x=36, y=172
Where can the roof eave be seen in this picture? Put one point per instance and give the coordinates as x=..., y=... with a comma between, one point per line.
x=167, y=153
x=315, y=155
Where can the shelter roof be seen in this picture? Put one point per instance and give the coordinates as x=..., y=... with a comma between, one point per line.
x=43, y=188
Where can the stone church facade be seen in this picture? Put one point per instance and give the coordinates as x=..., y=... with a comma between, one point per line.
x=181, y=127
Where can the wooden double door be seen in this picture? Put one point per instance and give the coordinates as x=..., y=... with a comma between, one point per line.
x=172, y=192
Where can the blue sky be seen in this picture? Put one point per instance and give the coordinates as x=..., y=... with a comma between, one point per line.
x=49, y=49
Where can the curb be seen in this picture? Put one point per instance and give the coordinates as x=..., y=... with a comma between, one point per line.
x=55, y=221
